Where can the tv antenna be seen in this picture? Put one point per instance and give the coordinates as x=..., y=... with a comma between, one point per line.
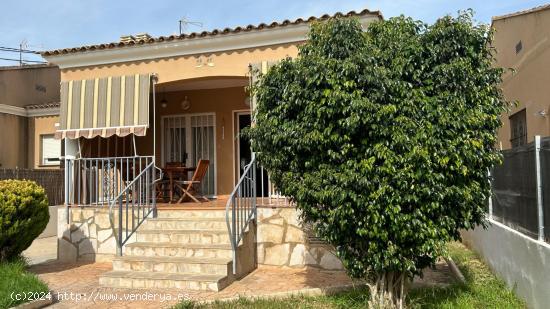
x=184, y=23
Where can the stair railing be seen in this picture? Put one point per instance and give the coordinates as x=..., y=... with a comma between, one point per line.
x=135, y=203
x=240, y=209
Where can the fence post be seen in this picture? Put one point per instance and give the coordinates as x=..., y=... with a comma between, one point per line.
x=539, y=189
x=490, y=196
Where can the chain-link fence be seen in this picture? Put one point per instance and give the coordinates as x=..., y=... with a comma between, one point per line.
x=50, y=180
x=521, y=189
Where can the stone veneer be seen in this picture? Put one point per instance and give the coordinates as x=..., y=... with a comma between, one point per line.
x=282, y=241
x=88, y=236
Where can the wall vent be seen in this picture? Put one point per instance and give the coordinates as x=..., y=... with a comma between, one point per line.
x=519, y=47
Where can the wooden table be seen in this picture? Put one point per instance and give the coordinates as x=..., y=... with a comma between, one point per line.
x=175, y=171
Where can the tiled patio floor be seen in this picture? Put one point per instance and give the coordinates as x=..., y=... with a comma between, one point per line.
x=77, y=285
x=82, y=281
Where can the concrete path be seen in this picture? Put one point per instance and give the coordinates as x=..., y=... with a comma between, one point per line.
x=41, y=250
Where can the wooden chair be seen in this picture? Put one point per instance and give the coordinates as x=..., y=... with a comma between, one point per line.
x=162, y=185
x=192, y=187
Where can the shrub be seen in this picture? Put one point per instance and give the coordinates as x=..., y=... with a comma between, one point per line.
x=383, y=138
x=23, y=216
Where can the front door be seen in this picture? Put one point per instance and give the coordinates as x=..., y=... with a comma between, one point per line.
x=189, y=138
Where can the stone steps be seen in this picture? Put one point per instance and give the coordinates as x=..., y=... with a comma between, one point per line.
x=210, y=266
x=185, y=224
x=184, y=236
x=180, y=214
x=179, y=249
x=187, y=249
x=162, y=280
x=171, y=249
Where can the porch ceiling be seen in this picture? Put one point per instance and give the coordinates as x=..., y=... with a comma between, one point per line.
x=203, y=83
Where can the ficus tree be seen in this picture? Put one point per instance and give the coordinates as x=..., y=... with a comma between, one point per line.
x=383, y=138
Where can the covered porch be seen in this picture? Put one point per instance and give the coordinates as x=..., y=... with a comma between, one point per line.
x=188, y=121
x=161, y=167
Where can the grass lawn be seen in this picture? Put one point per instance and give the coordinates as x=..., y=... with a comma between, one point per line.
x=482, y=290
x=15, y=279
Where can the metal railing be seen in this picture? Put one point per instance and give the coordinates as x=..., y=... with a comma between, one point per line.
x=240, y=209
x=97, y=181
x=135, y=203
x=124, y=182
x=267, y=194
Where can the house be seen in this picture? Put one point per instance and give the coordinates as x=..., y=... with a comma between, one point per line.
x=136, y=107
x=29, y=109
x=515, y=242
x=521, y=42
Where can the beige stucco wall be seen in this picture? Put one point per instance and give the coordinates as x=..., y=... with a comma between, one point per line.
x=13, y=141
x=40, y=126
x=229, y=63
x=529, y=85
x=21, y=86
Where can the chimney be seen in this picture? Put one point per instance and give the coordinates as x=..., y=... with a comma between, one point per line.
x=143, y=36
x=127, y=38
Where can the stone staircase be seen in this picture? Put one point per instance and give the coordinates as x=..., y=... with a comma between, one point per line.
x=187, y=249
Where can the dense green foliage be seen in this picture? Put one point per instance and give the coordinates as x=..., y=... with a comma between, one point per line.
x=384, y=137
x=15, y=279
x=482, y=290
x=23, y=216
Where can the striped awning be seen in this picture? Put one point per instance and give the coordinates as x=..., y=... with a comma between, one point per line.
x=115, y=105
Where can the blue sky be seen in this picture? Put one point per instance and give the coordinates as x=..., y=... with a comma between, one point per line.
x=52, y=24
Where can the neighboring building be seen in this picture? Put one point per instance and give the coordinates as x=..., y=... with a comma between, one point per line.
x=29, y=109
x=522, y=44
x=135, y=106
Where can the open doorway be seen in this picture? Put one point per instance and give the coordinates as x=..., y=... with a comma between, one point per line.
x=244, y=150
x=243, y=154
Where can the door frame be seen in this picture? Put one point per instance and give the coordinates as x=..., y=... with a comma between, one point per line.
x=235, y=128
x=188, y=140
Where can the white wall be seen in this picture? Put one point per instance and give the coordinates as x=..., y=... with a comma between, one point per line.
x=523, y=263
x=51, y=228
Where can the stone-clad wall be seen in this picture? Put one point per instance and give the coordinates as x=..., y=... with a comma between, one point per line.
x=282, y=241
x=88, y=237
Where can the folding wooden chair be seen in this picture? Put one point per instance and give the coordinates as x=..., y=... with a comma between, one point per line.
x=191, y=187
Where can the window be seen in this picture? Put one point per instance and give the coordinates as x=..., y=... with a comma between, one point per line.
x=50, y=150
x=189, y=138
x=518, y=127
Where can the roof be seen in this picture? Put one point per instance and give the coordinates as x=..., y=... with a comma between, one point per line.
x=215, y=32
x=42, y=106
x=27, y=66
x=524, y=12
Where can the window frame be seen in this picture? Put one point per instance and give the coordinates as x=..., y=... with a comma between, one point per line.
x=43, y=161
x=515, y=120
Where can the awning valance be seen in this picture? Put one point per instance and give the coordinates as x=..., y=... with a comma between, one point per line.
x=115, y=105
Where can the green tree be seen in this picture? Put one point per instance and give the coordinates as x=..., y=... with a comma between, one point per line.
x=383, y=138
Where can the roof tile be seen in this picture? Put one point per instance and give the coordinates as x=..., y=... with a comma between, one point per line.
x=214, y=32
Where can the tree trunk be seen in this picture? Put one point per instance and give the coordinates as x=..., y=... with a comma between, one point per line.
x=388, y=290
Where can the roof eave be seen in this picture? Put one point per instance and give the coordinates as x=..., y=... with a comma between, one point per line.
x=175, y=48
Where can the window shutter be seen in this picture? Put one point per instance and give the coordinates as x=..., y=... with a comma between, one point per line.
x=51, y=150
